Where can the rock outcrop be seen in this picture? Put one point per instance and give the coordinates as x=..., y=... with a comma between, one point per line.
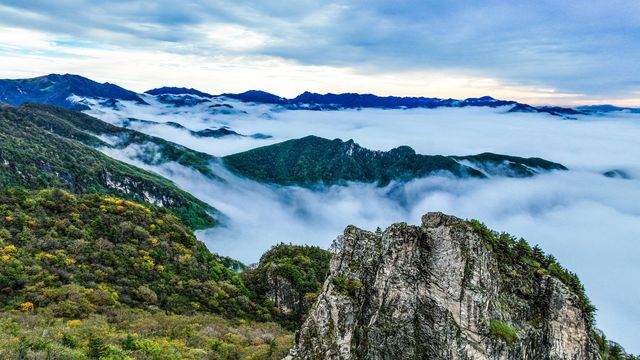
x=448, y=289
x=289, y=278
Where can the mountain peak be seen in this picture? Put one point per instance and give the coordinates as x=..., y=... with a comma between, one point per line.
x=56, y=89
x=257, y=96
x=169, y=90
x=314, y=160
x=447, y=289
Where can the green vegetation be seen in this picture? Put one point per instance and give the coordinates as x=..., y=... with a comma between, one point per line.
x=97, y=277
x=313, y=160
x=84, y=128
x=610, y=350
x=302, y=268
x=77, y=255
x=41, y=147
x=520, y=266
x=346, y=286
x=502, y=331
x=511, y=166
x=126, y=333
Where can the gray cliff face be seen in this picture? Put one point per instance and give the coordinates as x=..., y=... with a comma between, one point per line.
x=285, y=296
x=437, y=291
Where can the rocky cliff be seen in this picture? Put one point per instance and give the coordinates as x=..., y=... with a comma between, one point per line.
x=447, y=289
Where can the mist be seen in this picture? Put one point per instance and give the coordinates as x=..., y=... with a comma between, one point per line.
x=590, y=222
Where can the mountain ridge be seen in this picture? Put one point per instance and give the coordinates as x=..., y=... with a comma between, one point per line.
x=314, y=160
x=55, y=89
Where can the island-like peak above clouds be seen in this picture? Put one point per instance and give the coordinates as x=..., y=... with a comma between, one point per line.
x=168, y=90
x=258, y=96
x=55, y=89
x=314, y=160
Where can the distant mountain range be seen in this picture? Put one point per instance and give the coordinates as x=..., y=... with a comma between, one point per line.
x=58, y=90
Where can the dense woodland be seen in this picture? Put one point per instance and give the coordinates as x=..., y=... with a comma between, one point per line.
x=99, y=277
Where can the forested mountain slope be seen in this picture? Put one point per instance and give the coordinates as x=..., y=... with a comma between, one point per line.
x=41, y=147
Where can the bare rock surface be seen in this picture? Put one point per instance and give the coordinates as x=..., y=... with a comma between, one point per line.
x=440, y=291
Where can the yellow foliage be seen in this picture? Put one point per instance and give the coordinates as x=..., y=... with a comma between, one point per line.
x=152, y=227
x=184, y=258
x=10, y=248
x=112, y=200
x=160, y=268
x=26, y=306
x=154, y=242
x=74, y=322
x=8, y=218
x=44, y=255
x=70, y=261
x=106, y=288
x=35, y=287
x=32, y=222
x=5, y=257
x=121, y=208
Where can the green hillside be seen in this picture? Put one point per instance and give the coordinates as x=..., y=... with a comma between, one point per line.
x=43, y=146
x=80, y=254
x=313, y=160
x=93, y=276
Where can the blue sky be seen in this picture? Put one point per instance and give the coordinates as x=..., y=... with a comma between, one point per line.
x=565, y=52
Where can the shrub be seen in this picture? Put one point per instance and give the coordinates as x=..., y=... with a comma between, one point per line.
x=501, y=330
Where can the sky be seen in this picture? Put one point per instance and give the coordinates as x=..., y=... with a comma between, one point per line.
x=538, y=52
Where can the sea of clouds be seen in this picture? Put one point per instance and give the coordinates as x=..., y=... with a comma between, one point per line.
x=590, y=222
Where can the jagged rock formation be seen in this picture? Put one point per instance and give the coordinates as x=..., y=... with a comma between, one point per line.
x=448, y=289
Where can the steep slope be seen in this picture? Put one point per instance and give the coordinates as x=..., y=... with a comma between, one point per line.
x=288, y=278
x=448, y=289
x=96, y=277
x=40, y=148
x=97, y=133
x=128, y=253
x=311, y=160
x=55, y=89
